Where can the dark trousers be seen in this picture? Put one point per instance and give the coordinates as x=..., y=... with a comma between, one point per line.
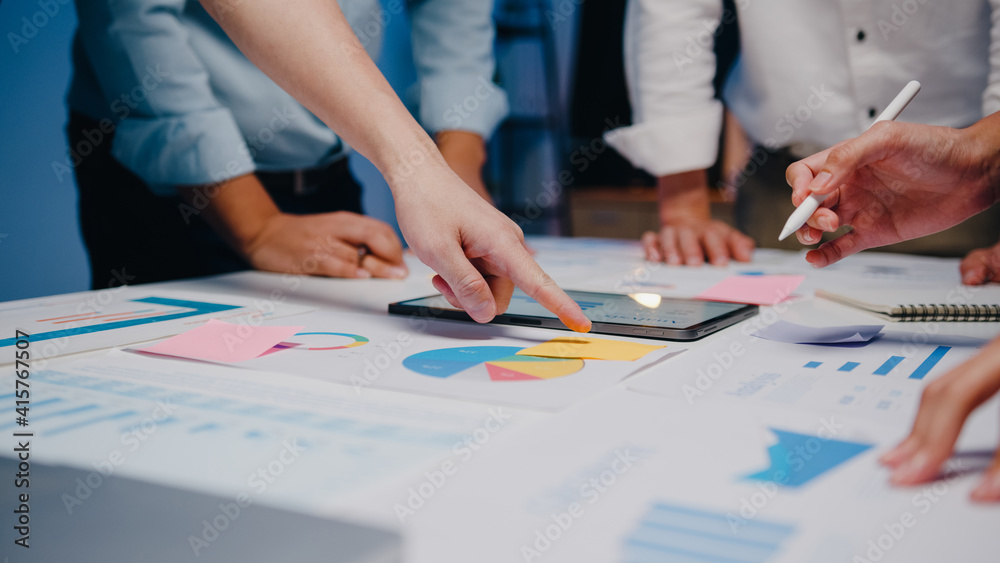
x=133, y=236
x=764, y=202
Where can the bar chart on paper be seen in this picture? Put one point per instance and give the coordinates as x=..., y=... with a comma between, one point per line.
x=882, y=379
x=888, y=366
x=117, y=317
x=83, y=417
x=669, y=532
x=80, y=403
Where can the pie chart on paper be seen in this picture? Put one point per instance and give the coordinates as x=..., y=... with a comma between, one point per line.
x=489, y=363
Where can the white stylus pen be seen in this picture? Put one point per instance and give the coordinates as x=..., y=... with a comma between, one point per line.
x=812, y=203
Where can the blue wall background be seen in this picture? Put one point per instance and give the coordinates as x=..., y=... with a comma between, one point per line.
x=40, y=248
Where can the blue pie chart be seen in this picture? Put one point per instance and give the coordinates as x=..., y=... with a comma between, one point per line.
x=489, y=363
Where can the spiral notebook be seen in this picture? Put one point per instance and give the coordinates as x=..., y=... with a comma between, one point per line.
x=959, y=304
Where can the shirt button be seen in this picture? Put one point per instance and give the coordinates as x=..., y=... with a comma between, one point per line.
x=872, y=112
x=861, y=35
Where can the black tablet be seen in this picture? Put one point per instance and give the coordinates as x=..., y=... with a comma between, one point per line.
x=644, y=315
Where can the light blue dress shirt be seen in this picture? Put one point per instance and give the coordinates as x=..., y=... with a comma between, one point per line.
x=191, y=109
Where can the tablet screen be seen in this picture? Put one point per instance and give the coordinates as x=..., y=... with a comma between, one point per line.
x=640, y=309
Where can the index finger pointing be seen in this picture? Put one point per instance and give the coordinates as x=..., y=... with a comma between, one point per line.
x=526, y=274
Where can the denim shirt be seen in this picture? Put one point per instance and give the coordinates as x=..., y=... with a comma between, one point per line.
x=189, y=108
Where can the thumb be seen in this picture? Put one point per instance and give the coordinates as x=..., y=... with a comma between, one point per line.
x=518, y=265
x=837, y=249
x=466, y=283
x=846, y=158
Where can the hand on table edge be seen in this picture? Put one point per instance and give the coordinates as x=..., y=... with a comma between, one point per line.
x=325, y=244
x=981, y=266
x=687, y=231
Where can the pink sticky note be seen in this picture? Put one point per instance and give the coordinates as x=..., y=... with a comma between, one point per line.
x=756, y=290
x=219, y=341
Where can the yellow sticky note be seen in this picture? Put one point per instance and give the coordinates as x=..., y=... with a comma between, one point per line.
x=587, y=348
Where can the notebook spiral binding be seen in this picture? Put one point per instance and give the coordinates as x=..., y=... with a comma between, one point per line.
x=966, y=313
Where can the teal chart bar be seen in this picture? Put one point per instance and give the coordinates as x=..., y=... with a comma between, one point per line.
x=927, y=365
x=789, y=470
x=813, y=365
x=849, y=366
x=885, y=368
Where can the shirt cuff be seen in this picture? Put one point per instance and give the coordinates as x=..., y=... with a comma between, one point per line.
x=669, y=145
x=466, y=103
x=165, y=152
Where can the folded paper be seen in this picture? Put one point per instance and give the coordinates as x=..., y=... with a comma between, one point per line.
x=784, y=331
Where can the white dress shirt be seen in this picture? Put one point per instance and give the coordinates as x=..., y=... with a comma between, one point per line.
x=811, y=73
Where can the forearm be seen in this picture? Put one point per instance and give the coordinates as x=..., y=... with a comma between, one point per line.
x=465, y=153
x=286, y=38
x=236, y=208
x=683, y=197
